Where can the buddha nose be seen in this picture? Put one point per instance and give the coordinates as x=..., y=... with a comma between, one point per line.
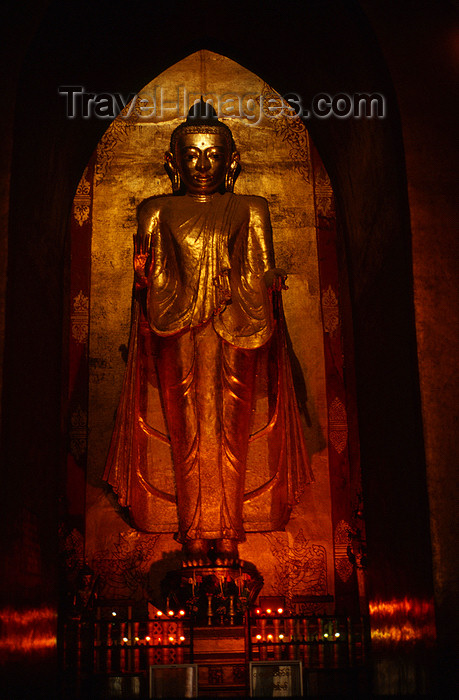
x=203, y=163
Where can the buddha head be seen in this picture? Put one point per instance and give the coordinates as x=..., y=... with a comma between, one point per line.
x=202, y=158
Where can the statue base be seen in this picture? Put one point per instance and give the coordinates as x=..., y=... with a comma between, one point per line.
x=213, y=595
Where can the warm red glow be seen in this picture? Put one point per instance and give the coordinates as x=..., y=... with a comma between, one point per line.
x=402, y=621
x=419, y=608
x=159, y=613
x=181, y=613
x=268, y=611
x=280, y=610
x=182, y=638
x=28, y=631
x=258, y=611
x=171, y=613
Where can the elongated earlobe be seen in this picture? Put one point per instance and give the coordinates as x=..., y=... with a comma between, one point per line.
x=172, y=171
x=233, y=172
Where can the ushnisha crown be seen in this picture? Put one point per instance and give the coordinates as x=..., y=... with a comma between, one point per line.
x=202, y=119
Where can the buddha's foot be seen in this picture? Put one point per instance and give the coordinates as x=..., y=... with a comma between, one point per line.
x=195, y=553
x=226, y=552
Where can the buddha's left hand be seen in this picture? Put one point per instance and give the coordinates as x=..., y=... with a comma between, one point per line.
x=275, y=279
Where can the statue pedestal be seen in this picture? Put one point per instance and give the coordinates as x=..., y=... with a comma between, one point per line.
x=213, y=595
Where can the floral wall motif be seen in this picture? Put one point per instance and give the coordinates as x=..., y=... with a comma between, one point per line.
x=123, y=570
x=337, y=425
x=301, y=569
x=343, y=540
x=80, y=318
x=82, y=201
x=292, y=130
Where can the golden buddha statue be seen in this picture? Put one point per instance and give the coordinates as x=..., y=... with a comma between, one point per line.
x=207, y=307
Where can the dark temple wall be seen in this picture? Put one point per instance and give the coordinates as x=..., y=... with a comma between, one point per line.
x=307, y=48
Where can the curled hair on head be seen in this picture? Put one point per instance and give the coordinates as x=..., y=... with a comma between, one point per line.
x=202, y=119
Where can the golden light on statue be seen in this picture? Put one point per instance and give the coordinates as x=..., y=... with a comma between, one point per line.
x=208, y=331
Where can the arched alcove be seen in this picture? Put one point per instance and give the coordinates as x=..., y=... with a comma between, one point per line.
x=280, y=163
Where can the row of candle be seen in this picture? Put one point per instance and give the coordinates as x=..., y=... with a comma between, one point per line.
x=319, y=641
x=157, y=614
x=281, y=638
x=269, y=611
x=129, y=633
x=297, y=629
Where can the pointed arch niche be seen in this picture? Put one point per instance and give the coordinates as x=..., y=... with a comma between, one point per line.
x=316, y=555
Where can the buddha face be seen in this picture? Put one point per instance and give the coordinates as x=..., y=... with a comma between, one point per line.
x=202, y=161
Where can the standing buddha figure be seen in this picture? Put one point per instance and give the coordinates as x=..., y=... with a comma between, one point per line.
x=207, y=299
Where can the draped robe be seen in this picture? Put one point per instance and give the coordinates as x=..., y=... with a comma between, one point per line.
x=210, y=323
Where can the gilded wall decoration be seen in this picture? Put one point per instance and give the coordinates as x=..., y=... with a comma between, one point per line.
x=116, y=132
x=79, y=318
x=337, y=425
x=78, y=433
x=301, y=569
x=82, y=200
x=293, y=131
x=330, y=310
x=343, y=541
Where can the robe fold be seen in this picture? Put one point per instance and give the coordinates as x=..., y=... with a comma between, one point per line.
x=211, y=336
